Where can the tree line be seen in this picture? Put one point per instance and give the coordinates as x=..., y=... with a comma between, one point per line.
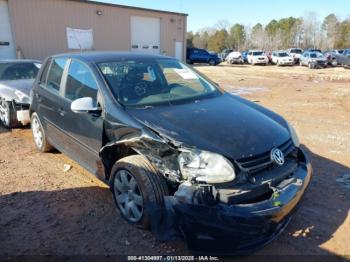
x=304, y=32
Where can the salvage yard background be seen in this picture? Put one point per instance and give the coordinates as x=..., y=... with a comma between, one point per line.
x=46, y=210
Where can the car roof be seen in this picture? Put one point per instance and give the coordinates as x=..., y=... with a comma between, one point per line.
x=19, y=61
x=104, y=56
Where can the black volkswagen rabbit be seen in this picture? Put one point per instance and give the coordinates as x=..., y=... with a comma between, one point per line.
x=164, y=137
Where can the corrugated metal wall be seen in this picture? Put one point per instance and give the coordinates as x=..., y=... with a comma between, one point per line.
x=39, y=26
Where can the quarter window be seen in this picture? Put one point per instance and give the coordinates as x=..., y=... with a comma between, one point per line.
x=55, y=74
x=43, y=76
x=80, y=82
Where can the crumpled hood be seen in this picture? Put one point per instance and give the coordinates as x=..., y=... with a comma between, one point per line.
x=226, y=124
x=24, y=85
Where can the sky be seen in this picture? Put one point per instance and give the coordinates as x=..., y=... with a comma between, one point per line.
x=206, y=13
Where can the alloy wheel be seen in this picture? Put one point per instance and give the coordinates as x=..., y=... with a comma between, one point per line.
x=4, y=113
x=37, y=133
x=128, y=196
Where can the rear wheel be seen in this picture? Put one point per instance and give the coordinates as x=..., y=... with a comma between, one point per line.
x=39, y=135
x=212, y=62
x=8, y=115
x=137, y=189
x=334, y=62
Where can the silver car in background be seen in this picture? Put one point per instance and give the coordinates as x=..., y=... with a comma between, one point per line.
x=234, y=58
x=16, y=80
x=313, y=60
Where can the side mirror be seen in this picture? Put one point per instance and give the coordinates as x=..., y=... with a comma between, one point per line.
x=85, y=105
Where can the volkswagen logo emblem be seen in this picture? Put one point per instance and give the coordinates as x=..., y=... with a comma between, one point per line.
x=277, y=156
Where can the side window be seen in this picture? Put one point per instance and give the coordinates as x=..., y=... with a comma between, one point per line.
x=55, y=74
x=43, y=76
x=80, y=82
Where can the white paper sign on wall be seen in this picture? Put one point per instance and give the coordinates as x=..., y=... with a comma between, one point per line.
x=79, y=38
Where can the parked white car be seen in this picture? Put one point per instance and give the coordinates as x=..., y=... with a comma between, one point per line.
x=234, y=58
x=296, y=53
x=281, y=58
x=257, y=57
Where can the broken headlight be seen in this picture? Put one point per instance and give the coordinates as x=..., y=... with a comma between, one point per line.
x=205, y=167
x=293, y=135
x=22, y=97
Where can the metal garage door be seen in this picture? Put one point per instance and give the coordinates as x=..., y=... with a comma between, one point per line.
x=7, y=48
x=145, y=34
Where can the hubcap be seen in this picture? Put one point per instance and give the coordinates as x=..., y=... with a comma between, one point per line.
x=128, y=196
x=4, y=113
x=37, y=133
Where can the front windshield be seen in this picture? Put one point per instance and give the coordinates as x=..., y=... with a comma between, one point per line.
x=258, y=53
x=154, y=81
x=282, y=54
x=17, y=70
x=316, y=55
x=296, y=51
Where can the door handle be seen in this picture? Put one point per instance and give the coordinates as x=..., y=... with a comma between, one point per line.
x=61, y=111
x=38, y=97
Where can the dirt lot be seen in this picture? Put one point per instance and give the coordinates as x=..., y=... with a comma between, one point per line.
x=44, y=210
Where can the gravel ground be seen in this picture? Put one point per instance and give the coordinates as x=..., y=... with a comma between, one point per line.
x=46, y=211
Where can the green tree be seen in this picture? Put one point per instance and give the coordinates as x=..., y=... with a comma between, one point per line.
x=236, y=38
x=217, y=42
x=330, y=27
x=189, y=39
x=344, y=35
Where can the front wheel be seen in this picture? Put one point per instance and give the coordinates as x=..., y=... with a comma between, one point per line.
x=334, y=62
x=39, y=135
x=138, y=190
x=212, y=62
x=8, y=115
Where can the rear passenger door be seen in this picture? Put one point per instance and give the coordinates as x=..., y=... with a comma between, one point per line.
x=46, y=96
x=82, y=131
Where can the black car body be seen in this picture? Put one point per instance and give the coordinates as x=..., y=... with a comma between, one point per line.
x=197, y=55
x=220, y=168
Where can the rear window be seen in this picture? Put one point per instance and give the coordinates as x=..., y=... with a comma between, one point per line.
x=55, y=74
x=17, y=70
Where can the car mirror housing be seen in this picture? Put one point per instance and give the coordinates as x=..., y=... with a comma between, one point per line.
x=84, y=105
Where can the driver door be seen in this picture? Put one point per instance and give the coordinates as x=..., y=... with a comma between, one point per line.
x=82, y=131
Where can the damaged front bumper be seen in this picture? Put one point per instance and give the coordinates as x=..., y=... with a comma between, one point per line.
x=239, y=228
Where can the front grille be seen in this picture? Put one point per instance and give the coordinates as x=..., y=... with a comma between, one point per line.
x=258, y=163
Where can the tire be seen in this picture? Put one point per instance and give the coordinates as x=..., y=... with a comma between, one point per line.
x=334, y=62
x=189, y=61
x=211, y=62
x=300, y=63
x=151, y=187
x=8, y=114
x=39, y=136
x=310, y=66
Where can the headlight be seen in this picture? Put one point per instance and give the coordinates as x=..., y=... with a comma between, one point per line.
x=206, y=167
x=22, y=97
x=293, y=135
